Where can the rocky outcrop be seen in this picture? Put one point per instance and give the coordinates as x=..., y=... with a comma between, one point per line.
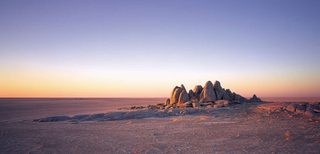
x=229, y=93
x=309, y=110
x=236, y=98
x=183, y=98
x=197, y=91
x=255, y=99
x=191, y=94
x=209, y=95
x=220, y=92
x=176, y=94
x=172, y=97
x=167, y=102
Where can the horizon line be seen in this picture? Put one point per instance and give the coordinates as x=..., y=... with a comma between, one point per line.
x=94, y=97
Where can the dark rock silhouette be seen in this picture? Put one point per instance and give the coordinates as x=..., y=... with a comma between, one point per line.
x=255, y=99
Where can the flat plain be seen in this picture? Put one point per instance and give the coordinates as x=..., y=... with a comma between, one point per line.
x=237, y=129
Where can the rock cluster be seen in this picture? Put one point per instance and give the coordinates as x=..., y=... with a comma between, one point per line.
x=310, y=110
x=210, y=95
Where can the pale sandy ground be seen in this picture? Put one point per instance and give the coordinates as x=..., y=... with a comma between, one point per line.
x=240, y=129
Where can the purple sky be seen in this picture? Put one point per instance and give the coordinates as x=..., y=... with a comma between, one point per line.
x=161, y=41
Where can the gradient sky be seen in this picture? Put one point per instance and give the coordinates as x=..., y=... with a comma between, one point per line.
x=143, y=48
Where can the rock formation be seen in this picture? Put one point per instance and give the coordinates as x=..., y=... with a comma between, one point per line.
x=210, y=95
x=220, y=92
x=183, y=98
x=191, y=94
x=309, y=110
x=255, y=99
x=176, y=94
x=197, y=91
x=167, y=102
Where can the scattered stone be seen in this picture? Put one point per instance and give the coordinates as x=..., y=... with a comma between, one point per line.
x=287, y=135
x=154, y=107
x=301, y=108
x=136, y=107
x=291, y=108
x=222, y=103
x=309, y=110
x=273, y=107
x=204, y=104
x=218, y=105
x=310, y=114
x=53, y=119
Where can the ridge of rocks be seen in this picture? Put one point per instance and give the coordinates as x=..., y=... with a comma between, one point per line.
x=210, y=94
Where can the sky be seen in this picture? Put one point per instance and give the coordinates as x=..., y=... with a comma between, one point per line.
x=143, y=48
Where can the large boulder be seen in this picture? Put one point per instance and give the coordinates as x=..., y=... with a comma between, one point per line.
x=218, y=89
x=229, y=93
x=220, y=92
x=175, y=95
x=301, y=108
x=167, y=102
x=197, y=91
x=183, y=88
x=174, y=89
x=291, y=107
x=191, y=94
x=183, y=98
x=208, y=94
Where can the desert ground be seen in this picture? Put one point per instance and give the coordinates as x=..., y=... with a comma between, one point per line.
x=242, y=128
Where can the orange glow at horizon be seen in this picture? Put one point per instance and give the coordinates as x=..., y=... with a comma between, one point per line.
x=31, y=84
